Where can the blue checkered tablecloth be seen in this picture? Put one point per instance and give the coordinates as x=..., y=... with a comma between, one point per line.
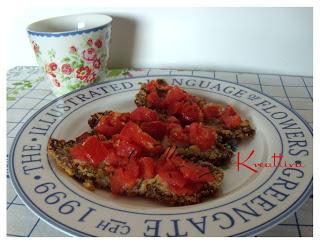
x=27, y=91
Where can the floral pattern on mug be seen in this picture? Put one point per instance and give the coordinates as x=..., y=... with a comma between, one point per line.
x=66, y=69
x=77, y=69
x=89, y=54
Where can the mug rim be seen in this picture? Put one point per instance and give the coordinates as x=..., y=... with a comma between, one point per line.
x=31, y=31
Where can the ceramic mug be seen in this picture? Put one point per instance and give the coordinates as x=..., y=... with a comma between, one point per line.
x=73, y=50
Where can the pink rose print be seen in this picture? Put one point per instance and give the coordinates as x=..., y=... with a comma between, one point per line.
x=96, y=63
x=48, y=69
x=89, y=54
x=90, y=42
x=53, y=66
x=73, y=49
x=56, y=82
x=98, y=43
x=83, y=73
x=91, y=78
x=66, y=69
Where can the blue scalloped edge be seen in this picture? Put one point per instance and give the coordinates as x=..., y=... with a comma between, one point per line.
x=70, y=33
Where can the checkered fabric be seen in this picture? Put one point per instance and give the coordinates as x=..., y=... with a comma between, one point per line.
x=27, y=91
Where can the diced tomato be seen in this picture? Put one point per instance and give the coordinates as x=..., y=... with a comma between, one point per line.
x=174, y=178
x=175, y=108
x=95, y=150
x=212, y=111
x=132, y=169
x=175, y=94
x=124, y=147
x=230, y=118
x=108, y=144
x=172, y=119
x=112, y=158
x=166, y=165
x=148, y=167
x=228, y=110
x=143, y=114
x=111, y=124
x=156, y=129
x=196, y=173
x=124, y=178
x=125, y=117
x=117, y=181
x=191, y=113
x=153, y=99
x=177, y=134
x=135, y=134
x=202, y=136
x=78, y=153
x=231, y=121
x=91, y=150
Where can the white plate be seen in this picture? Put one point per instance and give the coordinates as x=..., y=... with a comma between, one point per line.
x=249, y=202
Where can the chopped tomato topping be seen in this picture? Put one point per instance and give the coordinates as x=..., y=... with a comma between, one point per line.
x=117, y=181
x=172, y=119
x=177, y=134
x=230, y=118
x=182, y=176
x=148, y=167
x=143, y=114
x=156, y=129
x=153, y=100
x=228, y=110
x=78, y=153
x=191, y=113
x=135, y=134
x=175, y=108
x=196, y=173
x=112, y=158
x=174, y=178
x=124, y=177
x=212, y=111
x=91, y=150
x=124, y=147
x=232, y=121
x=175, y=94
x=111, y=124
x=132, y=169
x=124, y=117
x=202, y=136
x=108, y=144
x=152, y=85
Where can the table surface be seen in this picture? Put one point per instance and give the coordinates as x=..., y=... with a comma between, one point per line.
x=27, y=92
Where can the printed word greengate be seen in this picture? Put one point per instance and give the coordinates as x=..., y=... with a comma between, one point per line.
x=277, y=161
